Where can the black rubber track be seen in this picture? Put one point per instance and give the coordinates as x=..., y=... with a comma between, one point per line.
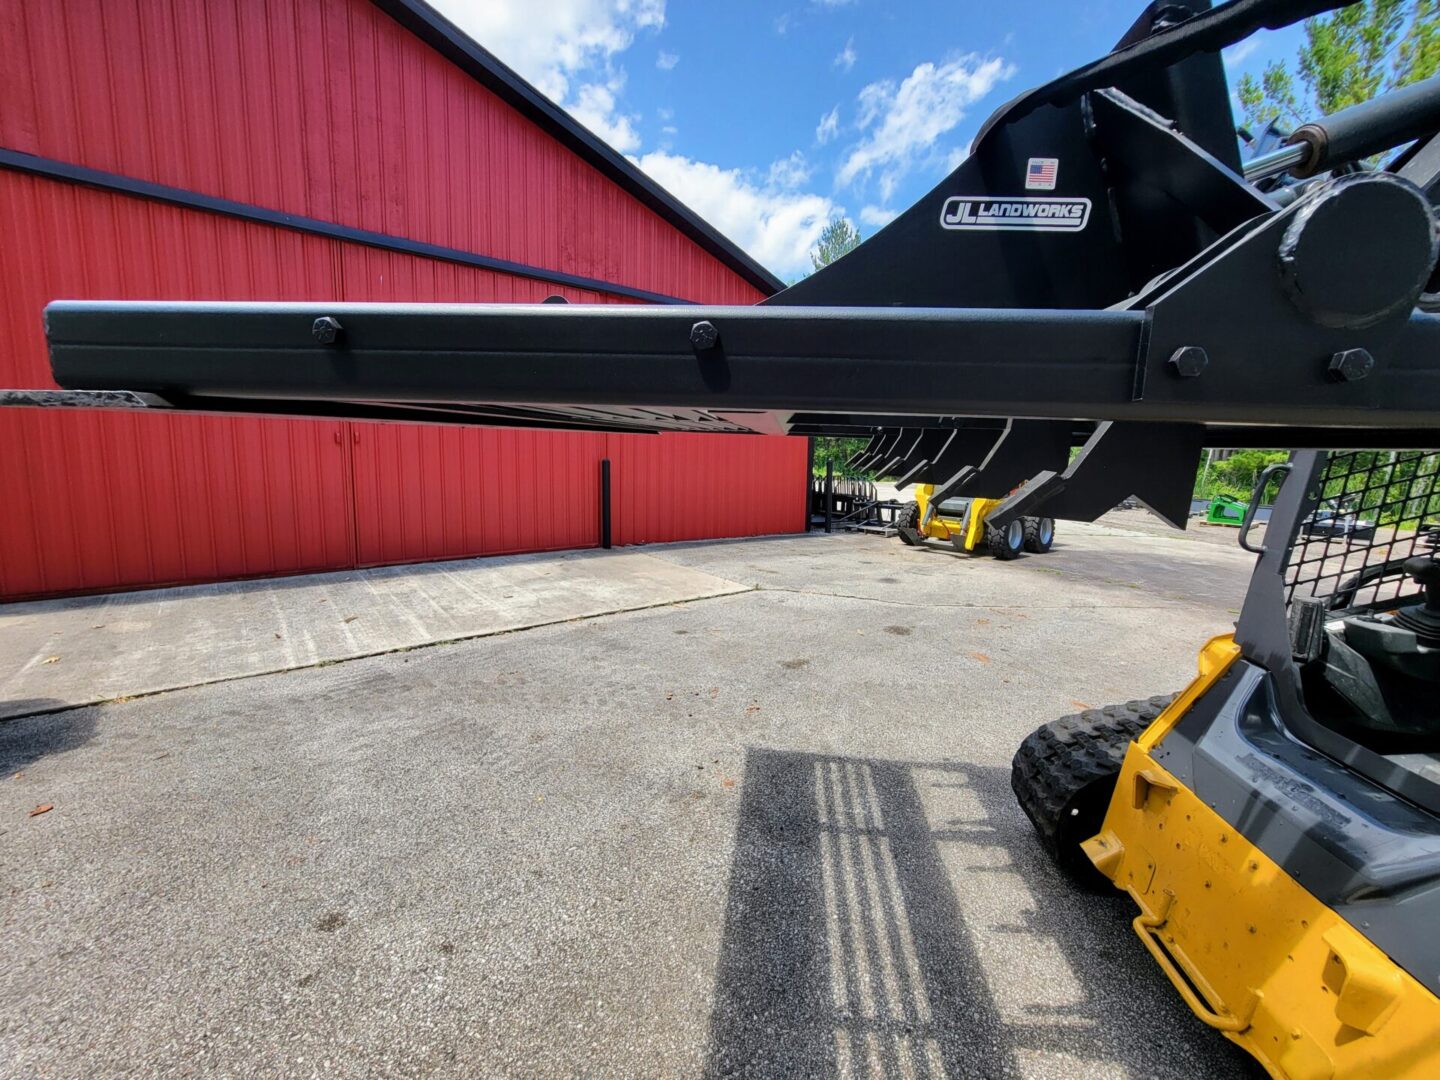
x=1064, y=774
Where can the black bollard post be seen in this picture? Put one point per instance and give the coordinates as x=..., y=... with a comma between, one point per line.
x=829, y=494
x=605, y=503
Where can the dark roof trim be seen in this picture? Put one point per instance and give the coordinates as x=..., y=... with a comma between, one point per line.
x=447, y=39
x=79, y=174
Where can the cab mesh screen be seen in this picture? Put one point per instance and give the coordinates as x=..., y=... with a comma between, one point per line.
x=1378, y=509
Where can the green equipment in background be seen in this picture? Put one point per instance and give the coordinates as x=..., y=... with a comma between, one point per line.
x=1225, y=511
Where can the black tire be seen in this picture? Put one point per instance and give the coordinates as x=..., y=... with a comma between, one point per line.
x=1064, y=774
x=1006, y=543
x=908, y=516
x=1039, y=534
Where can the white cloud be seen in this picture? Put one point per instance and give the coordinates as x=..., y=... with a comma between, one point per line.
x=789, y=172
x=878, y=216
x=903, y=122
x=594, y=106
x=571, y=36
x=845, y=59
x=828, y=127
x=779, y=228
x=1238, y=54
x=666, y=61
x=570, y=52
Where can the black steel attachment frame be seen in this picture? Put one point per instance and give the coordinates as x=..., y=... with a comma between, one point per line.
x=1098, y=274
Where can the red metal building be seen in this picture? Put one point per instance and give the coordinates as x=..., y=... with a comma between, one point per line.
x=324, y=149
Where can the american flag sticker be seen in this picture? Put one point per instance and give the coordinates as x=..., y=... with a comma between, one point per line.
x=1040, y=174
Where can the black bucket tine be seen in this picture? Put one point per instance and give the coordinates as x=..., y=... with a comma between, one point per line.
x=963, y=456
x=922, y=472
x=927, y=448
x=876, y=447
x=913, y=452
x=968, y=447
x=949, y=488
x=909, y=439
x=1026, y=448
x=1154, y=463
x=852, y=462
x=904, y=480
x=886, y=450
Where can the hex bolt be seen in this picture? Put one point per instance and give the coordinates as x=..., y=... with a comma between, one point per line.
x=1188, y=361
x=703, y=335
x=326, y=329
x=1351, y=365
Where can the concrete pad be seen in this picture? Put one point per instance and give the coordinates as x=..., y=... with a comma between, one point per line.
x=57, y=653
x=768, y=835
x=1104, y=564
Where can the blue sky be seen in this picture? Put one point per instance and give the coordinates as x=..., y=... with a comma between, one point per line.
x=771, y=118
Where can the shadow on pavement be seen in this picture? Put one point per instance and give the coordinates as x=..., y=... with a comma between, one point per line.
x=26, y=738
x=847, y=950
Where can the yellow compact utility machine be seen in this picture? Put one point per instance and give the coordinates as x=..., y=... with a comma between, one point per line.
x=1275, y=822
x=964, y=523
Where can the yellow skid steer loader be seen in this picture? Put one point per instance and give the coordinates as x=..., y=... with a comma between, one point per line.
x=964, y=523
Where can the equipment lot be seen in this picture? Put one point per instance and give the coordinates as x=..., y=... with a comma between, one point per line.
x=764, y=833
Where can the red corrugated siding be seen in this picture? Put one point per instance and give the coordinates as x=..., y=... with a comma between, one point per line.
x=98, y=501
x=425, y=492
x=378, y=133
x=692, y=487
x=93, y=500
x=330, y=109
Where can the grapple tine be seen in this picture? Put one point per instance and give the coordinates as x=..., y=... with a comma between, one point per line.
x=965, y=446
x=930, y=443
x=890, y=438
x=1153, y=463
x=947, y=489
x=858, y=461
x=906, y=449
x=852, y=462
x=1024, y=448
x=921, y=471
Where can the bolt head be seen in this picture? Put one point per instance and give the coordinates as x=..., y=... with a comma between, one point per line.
x=1188, y=361
x=326, y=330
x=703, y=335
x=1351, y=365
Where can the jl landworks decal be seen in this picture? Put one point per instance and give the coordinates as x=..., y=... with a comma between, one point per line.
x=1034, y=213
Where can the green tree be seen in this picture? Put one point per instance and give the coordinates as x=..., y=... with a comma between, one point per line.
x=1236, y=475
x=1348, y=57
x=836, y=452
x=1393, y=487
x=835, y=240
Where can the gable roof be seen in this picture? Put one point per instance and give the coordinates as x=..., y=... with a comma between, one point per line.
x=484, y=67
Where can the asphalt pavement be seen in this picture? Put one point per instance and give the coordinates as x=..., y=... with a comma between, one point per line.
x=766, y=833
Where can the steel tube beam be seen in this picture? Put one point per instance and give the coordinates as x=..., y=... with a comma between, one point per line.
x=637, y=362
x=825, y=359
